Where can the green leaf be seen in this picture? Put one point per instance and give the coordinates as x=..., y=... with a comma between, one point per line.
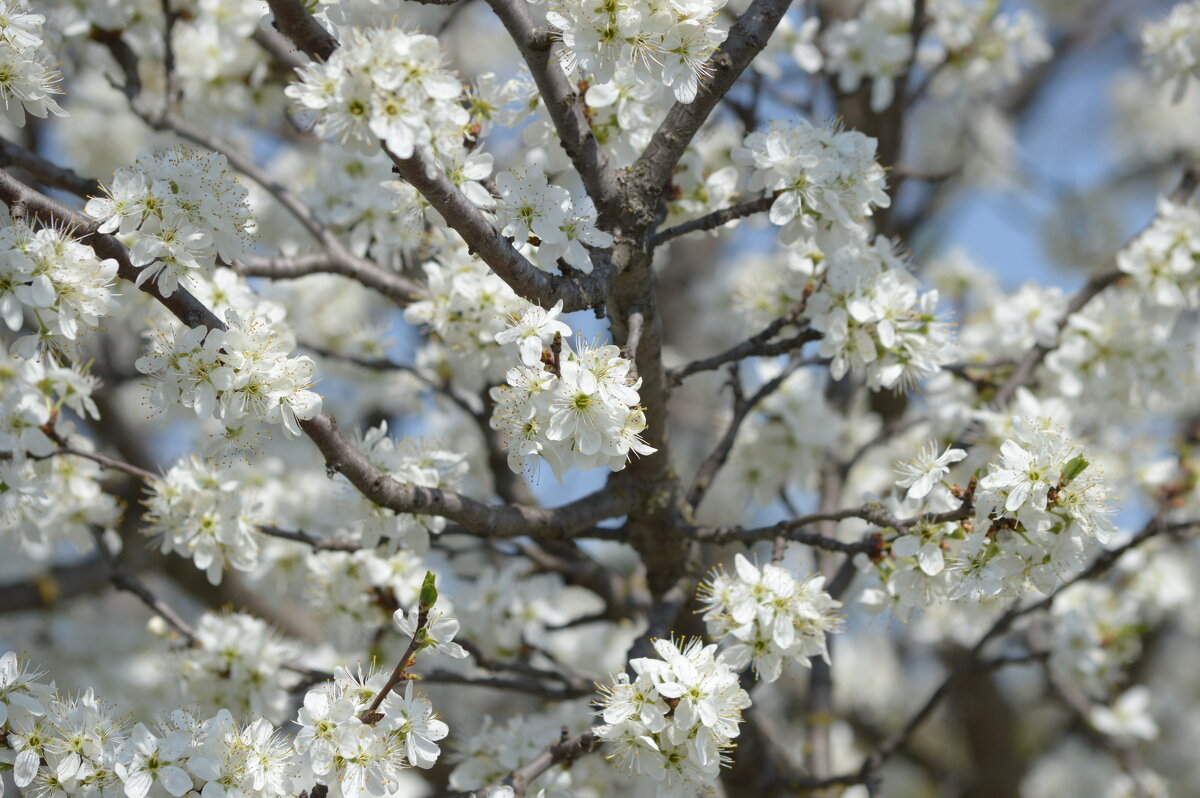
x=1073, y=468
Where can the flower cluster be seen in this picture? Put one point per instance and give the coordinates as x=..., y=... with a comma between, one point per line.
x=240, y=374
x=824, y=179
x=186, y=209
x=465, y=307
x=412, y=462
x=383, y=84
x=675, y=720
x=666, y=42
x=507, y=608
x=45, y=503
x=571, y=408
x=1095, y=635
x=914, y=576
x=1172, y=46
x=231, y=759
x=624, y=112
x=1162, y=260
x=51, y=280
x=355, y=590
x=349, y=193
x=1119, y=359
x=48, y=500
x=768, y=616
x=32, y=392
x=875, y=44
x=204, y=515
x=218, y=66
x=978, y=51
x=873, y=317
x=561, y=224
x=59, y=744
x=1039, y=511
x=76, y=746
x=28, y=82
x=353, y=757
x=236, y=663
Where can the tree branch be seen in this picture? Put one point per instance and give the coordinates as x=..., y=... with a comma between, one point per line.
x=395, y=287
x=293, y=21
x=742, y=407
x=341, y=456
x=563, y=105
x=46, y=172
x=124, y=579
x=48, y=587
x=1023, y=373
x=713, y=220
x=746, y=39
x=872, y=512
x=563, y=751
x=577, y=291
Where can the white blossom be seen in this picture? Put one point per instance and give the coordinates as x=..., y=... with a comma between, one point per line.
x=768, y=617
x=187, y=210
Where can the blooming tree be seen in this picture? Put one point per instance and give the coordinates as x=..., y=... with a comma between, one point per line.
x=562, y=398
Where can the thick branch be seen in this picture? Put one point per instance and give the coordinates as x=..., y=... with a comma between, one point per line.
x=50, y=174
x=562, y=103
x=47, y=588
x=280, y=48
x=482, y=520
x=293, y=21
x=577, y=292
x=746, y=39
x=183, y=305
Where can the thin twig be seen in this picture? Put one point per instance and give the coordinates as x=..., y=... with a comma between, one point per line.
x=741, y=410
x=1155, y=526
x=713, y=220
x=317, y=543
x=110, y=463
x=563, y=751
x=872, y=512
x=1025, y=368
x=758, y=345
x=124, y=579
x=530, y=686
x=371, y=714
x=469, y=405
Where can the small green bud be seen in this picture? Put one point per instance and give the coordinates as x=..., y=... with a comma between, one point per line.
x=1074, y=467
x=429, y=594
